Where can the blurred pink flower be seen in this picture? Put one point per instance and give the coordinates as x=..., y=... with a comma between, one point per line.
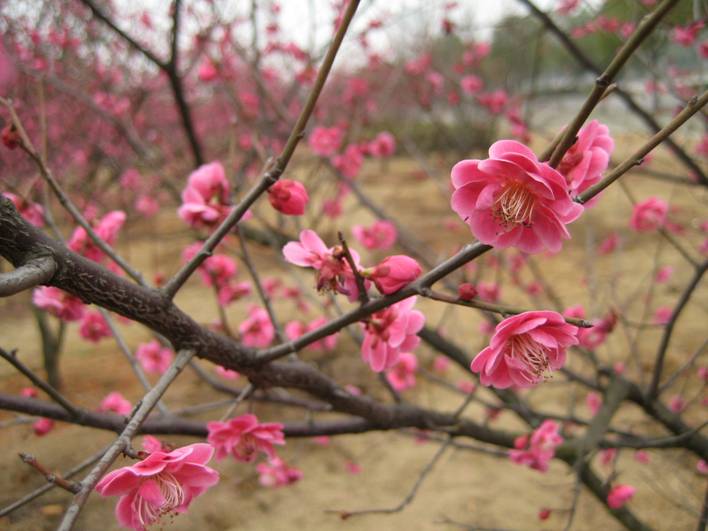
x=494, y=101
x=289, y=197
x=116, y=402
x=153, y=357
x=686, y=35
x=538, y=450
x=349, y=163
x=663, y=314
x=147, y=205
x=325, y=141
x=227, y=374
x=609, y=244
x=381, y=235
x=513, y=200
x=243, y=437
x=471, y=84
x=106, y=228
x=32, y=212
x=42, y=426
x=441, y=364
x=583, y=164
x=296, y=329
x=57, y=302
x=29, y=392
x=649, y=215
x=389, y=332
x=566, y=7
x=402, y=375
x=642, y=456
x=207, y=71
x=205, y=198
x=677, y=404
x=619, y=495
x=383, y=145
x=257, y=330
x=94, y=327
x=664, y=274
x=159, y=485
x=608, y=456
x=524, y=348
x=275, y=473
x=393, y=273
x=593, y=401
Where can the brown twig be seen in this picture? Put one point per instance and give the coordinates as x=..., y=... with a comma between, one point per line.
x=360, y=283
x=51, y=477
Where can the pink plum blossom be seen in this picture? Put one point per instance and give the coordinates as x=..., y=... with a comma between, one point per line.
x=205, y=198
x=524, y=348
x=441, y=364
x=583, y=164
x=257, y=330
x=29, y=392
x=402, y=375
x=393, y=273
x=161, y=484
x=147, y=205
x=32, y=212
x=381, y=235
x=349, y=162
x=471, y=84
x=153, y=357
x=116, y=402
x=609, y=244
x=244, y=437
x=538, y=450
x=619, y=495
x=677, y=404
x=94, y=327
x=662, y=315
x=663, y=274
x=225, y=373
x=389, y=332
x=686, y=35
x=42, y=426
x=649, y=215
x=106, y=228
x=642, y=456
x=57, y=302
x=513, y=200
x=289, y=197
x=383, y=145
x=296, y=329
x=276, y=473
x=333, y=271
x=325, y=141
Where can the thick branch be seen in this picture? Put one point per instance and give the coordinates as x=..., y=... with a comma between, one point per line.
x=35, y=272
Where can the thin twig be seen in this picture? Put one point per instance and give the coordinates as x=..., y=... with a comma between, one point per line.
x=360, y=283
x=123, y=441
x=11, y=358
x=51, y=477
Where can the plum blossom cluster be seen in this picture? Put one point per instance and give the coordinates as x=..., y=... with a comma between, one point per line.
x=537, y=450
x=245, y=438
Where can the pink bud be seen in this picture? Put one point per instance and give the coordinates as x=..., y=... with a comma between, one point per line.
x=544, y=514
x=394, y=272
x=10, y=137
x=289, y=197
x=43, y=426
x=466, y=291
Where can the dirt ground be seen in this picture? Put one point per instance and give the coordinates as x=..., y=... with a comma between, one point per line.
x=466, y=487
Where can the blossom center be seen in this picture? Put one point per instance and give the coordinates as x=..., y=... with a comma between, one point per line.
x=514, y=205
x=172, y=497
x=533, y=354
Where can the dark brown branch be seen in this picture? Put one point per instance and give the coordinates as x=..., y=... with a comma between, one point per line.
x=51, y=477
x=33, y=273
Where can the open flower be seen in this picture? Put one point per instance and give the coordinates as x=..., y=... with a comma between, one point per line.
x=389, y=332
x=333, y=271
x=243, y=437
x=59, y=303
x=649, y=215
x=325, y=141
x=583, y=164
x=276, y=473
x=513, y=200
x=524, y=348
x=205, y=198
x=257, y=330
x=381, y=235
x=94, y=327
x=153, y=357
x=402, y=375
x=159, y=485
x=537, y=451
x=116, y=402
x=384, y=145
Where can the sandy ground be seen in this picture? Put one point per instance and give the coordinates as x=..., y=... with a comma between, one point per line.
x=466, y=487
